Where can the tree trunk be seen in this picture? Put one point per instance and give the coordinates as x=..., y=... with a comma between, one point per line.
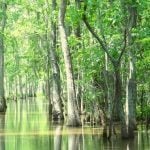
x=20, y=87
x=72, y=111
x=130, y=119
x=2, y=26
x=48, y=89
x=26, y=87
x=131, y=99
x=108, y=99
x=16, y=89
x=79, y=72
x=117, y=103
x=131, y=93
x=57, y=111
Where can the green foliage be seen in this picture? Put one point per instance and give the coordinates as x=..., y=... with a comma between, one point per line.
x=27, y=43
x=74, y=15
x=143, y=114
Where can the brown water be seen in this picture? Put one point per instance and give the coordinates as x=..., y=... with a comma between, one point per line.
x=26, y=127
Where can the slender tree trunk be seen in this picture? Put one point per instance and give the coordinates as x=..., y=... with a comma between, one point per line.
x=78, y=91
x=131, y=93
x=57, y=110
x=48, y=79
x=16, y=89
x=26, y=87
x=79, y=73
x=48, y=89
x=20, y=87
x=106, y=76
x=2, y=26
x=131, y=96
x=117, y=102
x=108, y=99
x=72, y=111
x=130, y=118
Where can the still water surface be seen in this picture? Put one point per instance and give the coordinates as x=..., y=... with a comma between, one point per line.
x=26, y=127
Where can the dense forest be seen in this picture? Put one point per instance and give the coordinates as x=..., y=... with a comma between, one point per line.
x=89, y=58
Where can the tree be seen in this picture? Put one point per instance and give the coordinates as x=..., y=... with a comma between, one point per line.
x=3, y=7
x=57, y=111
x=131, y=92
x=116, y=62
x=72, y=111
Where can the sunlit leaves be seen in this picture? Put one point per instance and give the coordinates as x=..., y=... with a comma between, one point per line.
x=28, y=22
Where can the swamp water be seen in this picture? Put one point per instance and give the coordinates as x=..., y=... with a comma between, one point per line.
x=26, y=126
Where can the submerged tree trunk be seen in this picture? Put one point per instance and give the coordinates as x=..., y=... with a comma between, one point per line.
x=131, y=96
x=130, y=118
x=72, y=111
x=57, y=111
x=117, y=102
x=106, y=76
x=108, y=97
x=2, y=26
x=131, y=93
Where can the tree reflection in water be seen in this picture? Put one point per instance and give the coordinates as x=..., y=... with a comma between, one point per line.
x=74, y=141
x=57, y=137
x=26, y=126
x=2, y=137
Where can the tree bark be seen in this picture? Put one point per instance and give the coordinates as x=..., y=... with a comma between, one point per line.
x=20, y=87
x=131, y=93
x=57, y=112
x=79, y=72
x=72, y=111
x=2, y=27
x=118, y=100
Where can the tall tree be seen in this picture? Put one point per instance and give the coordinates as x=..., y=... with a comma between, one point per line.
x=72, y=111
x=57, y=111
x=116, y=63
x=3, y=7
x=79, y=73
x=131, y=92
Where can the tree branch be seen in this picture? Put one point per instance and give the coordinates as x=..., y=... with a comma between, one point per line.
x=101, y=42
x=3, y=7
x=124, y=46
